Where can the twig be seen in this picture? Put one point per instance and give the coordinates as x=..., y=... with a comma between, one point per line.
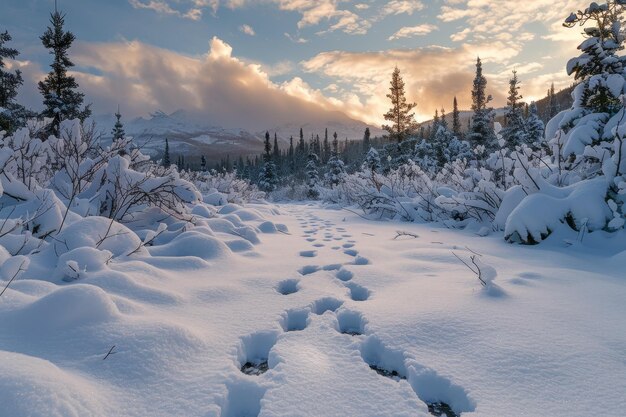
x=110, y=352
x=20, y=269
x=474, y=252
x=400, y=233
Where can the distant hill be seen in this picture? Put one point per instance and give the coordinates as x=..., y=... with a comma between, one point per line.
x=192, y=137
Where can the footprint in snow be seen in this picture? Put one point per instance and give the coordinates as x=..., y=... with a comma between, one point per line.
x=359, y=260
x=344, y=275
x=348, y=245
x=308, y=253
x=351, y=252
x=358, y=292
x=253, y=352
x=309, y=269
x=288, y=286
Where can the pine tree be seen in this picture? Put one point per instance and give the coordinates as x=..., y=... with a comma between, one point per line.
x=12, y=115
x=434, y=126
x=118, y=128
x=514, y=129
x=276, y=150
x=402, y=120
x=326, y=150
x=203, y=165
x=481, y=130
x=336, y=169
x=267, y=176
x=372, y=161
x=553, y=105
x=267, y=146
x=456, y=119
x=166, y=155
x=599, y=59
x=292, y=156
x=366, y=140
x=61, y=99
x=534, y=127
x=312, y=176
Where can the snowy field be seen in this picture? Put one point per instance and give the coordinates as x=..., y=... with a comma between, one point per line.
x=336, y=318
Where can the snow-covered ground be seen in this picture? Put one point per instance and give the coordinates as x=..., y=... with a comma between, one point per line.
x=323, y=305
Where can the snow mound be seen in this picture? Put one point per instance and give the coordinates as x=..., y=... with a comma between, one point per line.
x=65, y=309
x=193, y=244
x=581, y=205
x=33, y=387
x=97, y=232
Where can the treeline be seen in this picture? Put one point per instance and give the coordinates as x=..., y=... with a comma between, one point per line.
x=323, y=161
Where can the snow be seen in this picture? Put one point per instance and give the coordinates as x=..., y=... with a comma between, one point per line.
x=383, y=330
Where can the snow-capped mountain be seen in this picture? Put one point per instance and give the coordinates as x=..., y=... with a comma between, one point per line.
x=191, y=136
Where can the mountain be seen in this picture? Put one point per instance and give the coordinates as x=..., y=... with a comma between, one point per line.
x=193, y=137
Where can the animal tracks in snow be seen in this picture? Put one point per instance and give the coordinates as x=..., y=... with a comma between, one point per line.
x=254, y=358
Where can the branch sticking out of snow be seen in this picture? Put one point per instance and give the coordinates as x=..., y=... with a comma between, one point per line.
x=485, y=273
x=401, y=233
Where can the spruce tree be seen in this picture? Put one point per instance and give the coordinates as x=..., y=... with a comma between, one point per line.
x=276, y=150
x=481, y=129
x=61, y=99
x=456, y=119
x=267, y=176
x=434, y=126
x=166, y=155
x=402, y=120
x=336, y=169
x=366, y=140
x=312, y=176
x=534, y=127
x=372, y=161
x=118, y=128
x=514, y=129
x=12, y=115
x=553, y=105
x=326, y=150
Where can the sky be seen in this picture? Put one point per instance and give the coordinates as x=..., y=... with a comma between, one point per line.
x=246, y=61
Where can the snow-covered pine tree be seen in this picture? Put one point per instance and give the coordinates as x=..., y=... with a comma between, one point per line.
x=312, y=176
x=372, y=161
x=61, y=99
x=12, y=114
x=166, y=162
x=336, y=169
x=434, y=126
x=534, y=127
x=514, y=130
x=456, y=119
x=481, y=129
x=267, y=175
x=118, y=128
x=402, y=120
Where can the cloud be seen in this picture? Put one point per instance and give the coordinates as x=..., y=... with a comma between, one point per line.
x=411, y=31
x=485, y=19
x=163, y=7
x=433, y=75
x=396, y=7
x=216, y=86
x=247, y=29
